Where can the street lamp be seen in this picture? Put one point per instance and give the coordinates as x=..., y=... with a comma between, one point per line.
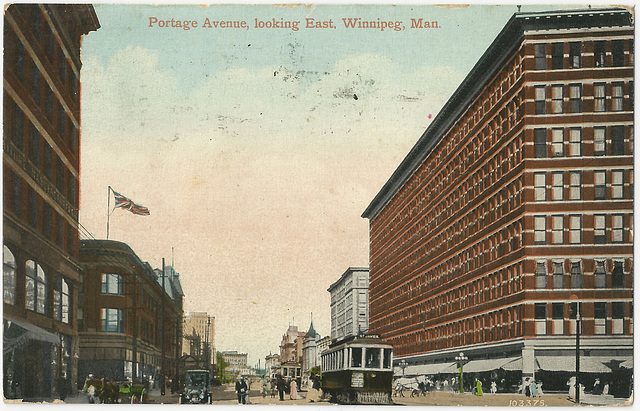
x=461, y=358
x=403, y=364
x=577, y=314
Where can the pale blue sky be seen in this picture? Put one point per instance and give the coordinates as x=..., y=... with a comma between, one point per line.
x=251, y=151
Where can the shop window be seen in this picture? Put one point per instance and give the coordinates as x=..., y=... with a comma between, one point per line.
x=36, y=287
x=9, y=276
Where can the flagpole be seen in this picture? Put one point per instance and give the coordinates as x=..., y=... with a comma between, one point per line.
x=108, y=209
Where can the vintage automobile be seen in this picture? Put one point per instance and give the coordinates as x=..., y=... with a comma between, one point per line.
x=196, y=387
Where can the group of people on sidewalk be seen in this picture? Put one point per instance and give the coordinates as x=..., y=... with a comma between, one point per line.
x=282, y=386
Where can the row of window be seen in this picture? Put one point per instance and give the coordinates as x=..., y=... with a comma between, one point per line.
x=561, y=186
x=561, y=229
x=38, y=213
x=36, y=288
x=561, y=98
x=357, y=357
x=30, y=141
x=605, y=53
x=605, y=321
x=555, y=279
x=561, y=142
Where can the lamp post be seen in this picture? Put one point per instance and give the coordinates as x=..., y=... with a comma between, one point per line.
x=403, y=364
x=577, y=313
x=461, y=358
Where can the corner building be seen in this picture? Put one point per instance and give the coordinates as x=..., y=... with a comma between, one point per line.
x=515, y=204
x=41, y=174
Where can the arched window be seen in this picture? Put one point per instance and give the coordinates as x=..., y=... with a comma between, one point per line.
x=61, y=301
x=9, y=278
x=36, y=287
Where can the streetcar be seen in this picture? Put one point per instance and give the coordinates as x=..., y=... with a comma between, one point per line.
x=358, y=370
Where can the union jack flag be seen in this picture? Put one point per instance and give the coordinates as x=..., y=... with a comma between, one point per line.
x=126, y=203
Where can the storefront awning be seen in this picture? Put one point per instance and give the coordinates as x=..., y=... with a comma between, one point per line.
x=431, y=369
x=587, y=364
x=492, y=364
x=19, y=333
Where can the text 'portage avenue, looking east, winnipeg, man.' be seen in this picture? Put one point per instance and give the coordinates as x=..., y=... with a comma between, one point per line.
x=294, y=25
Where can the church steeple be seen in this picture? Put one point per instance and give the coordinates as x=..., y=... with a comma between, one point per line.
x=312, y=331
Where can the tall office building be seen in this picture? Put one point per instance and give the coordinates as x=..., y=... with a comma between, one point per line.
x=41, y=161
x=350, y=303
x=513, y=213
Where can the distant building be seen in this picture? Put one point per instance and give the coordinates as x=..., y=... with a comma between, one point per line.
x=237, y=363
x=198, y=333
x=124, y=312
x=323, y=344
x=41, y=171
x=311, y=354
x=514, y=206
x=272, y=362
x=350, y=303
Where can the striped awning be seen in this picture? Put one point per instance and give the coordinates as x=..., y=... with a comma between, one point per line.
x=587, y=364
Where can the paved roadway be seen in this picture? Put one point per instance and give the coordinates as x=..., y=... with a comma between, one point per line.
x=225, y=395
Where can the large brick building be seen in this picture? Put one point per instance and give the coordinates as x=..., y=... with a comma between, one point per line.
x=41, y=165
x=515, y=203
x=124, y=313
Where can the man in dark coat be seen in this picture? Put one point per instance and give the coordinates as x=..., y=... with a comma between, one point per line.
x=280, y=383
x=242, y=390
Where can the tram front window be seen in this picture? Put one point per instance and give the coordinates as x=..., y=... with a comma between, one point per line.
x=372, y=358
x=356, y=357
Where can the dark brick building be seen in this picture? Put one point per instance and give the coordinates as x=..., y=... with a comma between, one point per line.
x=514, y=204
x=41, y=165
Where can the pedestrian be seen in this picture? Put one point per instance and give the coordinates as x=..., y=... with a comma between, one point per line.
x=241, y=389
x=534, y=388
x=478, y=387
x=494, y=387
x=527, y=387
x=572, y=387
x=280, y=384
x=540, y=388
x=597, y=388
x=293, y=390
x=265, y=386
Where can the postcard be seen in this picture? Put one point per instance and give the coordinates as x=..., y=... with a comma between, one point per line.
x=311, y=204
